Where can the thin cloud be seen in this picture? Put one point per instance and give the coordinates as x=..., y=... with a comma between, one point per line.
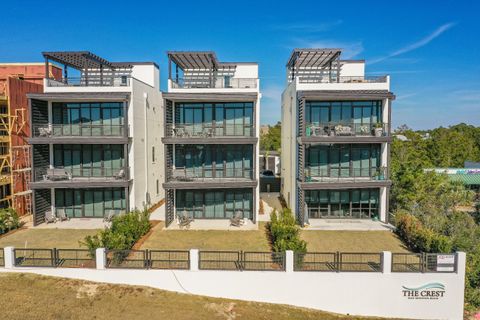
x=300, y=27
x=422, y=42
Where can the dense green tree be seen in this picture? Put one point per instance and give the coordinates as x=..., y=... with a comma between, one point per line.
x=271, y=141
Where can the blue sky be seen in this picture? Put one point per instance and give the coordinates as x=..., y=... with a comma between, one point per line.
x=431, y=49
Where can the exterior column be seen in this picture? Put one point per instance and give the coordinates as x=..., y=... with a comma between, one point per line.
x=386, y=262
x=101, y=258
x=9, y=257
x=289, y=261
x=194, y=259
x=383, y=204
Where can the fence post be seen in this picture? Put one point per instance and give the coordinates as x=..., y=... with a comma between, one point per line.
x=386, y=262
x=289, y=261
x=100, y=258
x=460, y=261
x=9, y=257
x=194, y=259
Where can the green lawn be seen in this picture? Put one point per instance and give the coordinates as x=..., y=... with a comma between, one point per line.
x=248, y=240
x=28, y=296
x=46, y=238
x=352, y=241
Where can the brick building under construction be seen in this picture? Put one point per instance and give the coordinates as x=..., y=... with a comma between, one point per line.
x=16, y=80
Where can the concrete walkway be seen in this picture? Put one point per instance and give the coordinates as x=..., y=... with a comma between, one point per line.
x=76, y=223
x=347, y=225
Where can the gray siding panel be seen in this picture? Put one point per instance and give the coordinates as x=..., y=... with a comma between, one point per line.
x=43, y=201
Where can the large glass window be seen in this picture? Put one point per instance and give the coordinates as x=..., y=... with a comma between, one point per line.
x=214, y=161
x=214, y=204
x=88, y=119
x=344, y=112
x=353, y=203
x=360, y=160
x=80, y=203
x=89, y=160
x=223, y=119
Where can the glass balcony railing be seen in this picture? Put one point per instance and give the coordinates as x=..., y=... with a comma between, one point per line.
x=92, y=81
x=313, y=174
x=78, y=130
x=346, y=129
x=204, y=130
x=209, y=174
x=342, y=79
x=79, y=174
x=215, y=83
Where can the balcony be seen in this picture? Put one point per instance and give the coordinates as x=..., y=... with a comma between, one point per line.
x=208, y=133
x=79, y=133
x=342, y=79
x=344, y=175
x=347, y=130
x=214, y=83
x=80, y=177
x=121, y=80
x=201, y=177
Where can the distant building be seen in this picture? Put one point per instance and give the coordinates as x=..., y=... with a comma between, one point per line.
x=470, y=177
x=264, y=129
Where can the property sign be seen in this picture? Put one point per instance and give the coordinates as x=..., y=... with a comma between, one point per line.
x=446, y=262
x=429, y=291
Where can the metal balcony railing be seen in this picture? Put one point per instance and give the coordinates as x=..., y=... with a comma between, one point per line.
x=92, y=81
x=216, y=83
x=204, y=130
x=208, y=174
x=348, y=129
x=313, y=174
x=78, y=130
x=80, y=174
x=342, y=79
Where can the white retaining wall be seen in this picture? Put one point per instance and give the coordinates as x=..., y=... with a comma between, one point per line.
x=354, y=293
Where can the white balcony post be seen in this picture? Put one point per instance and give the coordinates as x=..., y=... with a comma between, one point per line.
x=289, y=261
x=100, y=258
x=387, y=262
x=9, y=257
x=194, y=259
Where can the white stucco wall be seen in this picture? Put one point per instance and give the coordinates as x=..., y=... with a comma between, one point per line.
x=146, y=127
x=355, y=293
x=352, y=68
x=289, y=145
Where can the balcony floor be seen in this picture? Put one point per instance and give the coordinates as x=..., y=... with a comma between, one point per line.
x=215, y=224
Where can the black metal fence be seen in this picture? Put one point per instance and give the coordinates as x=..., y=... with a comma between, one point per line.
x=338, y=262
x=424, y=262
x=241, y=260
x=169, y=259
x=62, y=258
x=126, y=259
x=148, y=259
x=235, y=260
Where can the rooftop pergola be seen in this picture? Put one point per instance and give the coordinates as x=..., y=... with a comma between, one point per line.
x=195, y=60
x=314, y=59
x=83, y=61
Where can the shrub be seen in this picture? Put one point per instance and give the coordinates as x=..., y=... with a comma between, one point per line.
x=419, y=238
x=9, y=220
x=122, y=234
x=285, y=233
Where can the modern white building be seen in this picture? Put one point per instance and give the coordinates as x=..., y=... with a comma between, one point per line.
x=211, y=139
x=96, y=137
x=335, y=138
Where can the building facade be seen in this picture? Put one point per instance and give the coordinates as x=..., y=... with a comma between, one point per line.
x=16, y=80
x=96, y=137
x=211, y=138
x=335, y=138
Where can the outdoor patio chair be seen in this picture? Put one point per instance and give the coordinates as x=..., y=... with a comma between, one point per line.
x=50, y=217
x=57, y=174
x=44, y=131
x=120, y=174
x=185, y=220
x=237, y=220
x=343, y=130
x=109, y=216
x=61, y=215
